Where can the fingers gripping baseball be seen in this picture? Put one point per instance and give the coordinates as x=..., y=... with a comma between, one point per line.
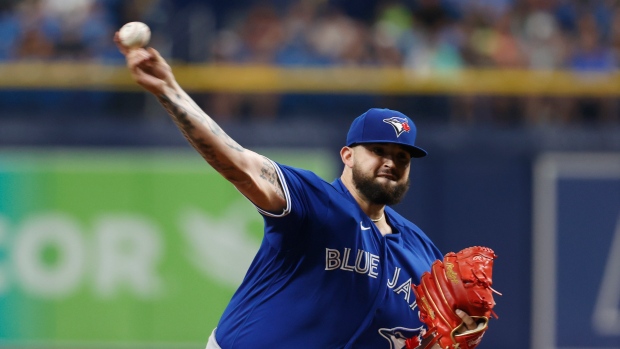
x=456, y=298
x=147, y=67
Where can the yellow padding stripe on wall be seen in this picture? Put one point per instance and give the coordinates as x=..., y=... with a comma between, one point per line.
x=268, y=79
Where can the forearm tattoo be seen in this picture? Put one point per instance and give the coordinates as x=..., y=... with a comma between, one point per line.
x=185, y=113
x=268, y=173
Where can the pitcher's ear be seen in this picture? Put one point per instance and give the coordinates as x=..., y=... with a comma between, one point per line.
x=347, y=155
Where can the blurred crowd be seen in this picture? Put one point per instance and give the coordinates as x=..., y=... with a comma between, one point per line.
x=425, y=35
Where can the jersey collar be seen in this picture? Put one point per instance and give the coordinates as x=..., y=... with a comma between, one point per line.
x=340, y=187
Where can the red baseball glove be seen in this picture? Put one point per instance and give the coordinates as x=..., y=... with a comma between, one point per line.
x=462, y=281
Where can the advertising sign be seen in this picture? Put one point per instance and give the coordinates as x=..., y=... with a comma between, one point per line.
x=122, y=248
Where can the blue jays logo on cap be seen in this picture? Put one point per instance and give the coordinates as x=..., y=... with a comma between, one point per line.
x=385, y=126
x=400, y=125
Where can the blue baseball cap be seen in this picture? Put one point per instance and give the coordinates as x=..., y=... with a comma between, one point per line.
x=384, y=126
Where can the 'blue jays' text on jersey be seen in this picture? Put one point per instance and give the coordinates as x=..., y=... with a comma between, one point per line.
x=324, y=276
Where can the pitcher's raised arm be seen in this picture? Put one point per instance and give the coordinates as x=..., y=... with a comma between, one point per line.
x=252, y=174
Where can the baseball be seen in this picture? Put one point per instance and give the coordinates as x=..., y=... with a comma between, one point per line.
x=134, y=34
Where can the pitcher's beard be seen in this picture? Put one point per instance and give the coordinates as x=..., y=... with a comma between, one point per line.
x=377, y=193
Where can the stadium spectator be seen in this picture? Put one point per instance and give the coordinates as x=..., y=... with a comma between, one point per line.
x=421, y=36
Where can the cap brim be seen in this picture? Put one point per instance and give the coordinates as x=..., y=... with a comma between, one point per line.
x=416, y=152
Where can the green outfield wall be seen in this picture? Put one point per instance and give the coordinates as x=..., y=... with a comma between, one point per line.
x=122, y=248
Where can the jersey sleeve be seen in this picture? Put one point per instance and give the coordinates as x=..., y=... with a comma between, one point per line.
x=307, y=205
x=286, y=192
x=305, y=193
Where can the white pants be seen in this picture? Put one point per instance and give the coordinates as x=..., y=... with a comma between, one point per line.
x=212, y=343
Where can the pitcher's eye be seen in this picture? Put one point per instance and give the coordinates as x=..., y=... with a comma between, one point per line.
x=404, y=157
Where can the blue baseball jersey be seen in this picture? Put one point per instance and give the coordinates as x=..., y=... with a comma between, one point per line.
x=324, y=276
